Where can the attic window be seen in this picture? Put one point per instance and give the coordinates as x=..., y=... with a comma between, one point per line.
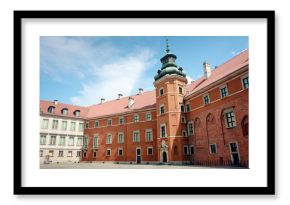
x=77, y=113
x=64, y=111
x=51, y=109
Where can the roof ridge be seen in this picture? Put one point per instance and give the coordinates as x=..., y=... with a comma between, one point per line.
x=65, y=103
x=240, y=53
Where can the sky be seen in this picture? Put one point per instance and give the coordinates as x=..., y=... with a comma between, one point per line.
x=81, y=70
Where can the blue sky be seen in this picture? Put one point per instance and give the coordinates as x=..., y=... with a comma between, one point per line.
x=81, y=70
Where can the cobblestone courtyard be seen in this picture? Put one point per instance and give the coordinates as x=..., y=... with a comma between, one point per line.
x=124, y=166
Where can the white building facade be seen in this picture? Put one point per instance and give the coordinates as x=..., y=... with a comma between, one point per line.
x=61, y=137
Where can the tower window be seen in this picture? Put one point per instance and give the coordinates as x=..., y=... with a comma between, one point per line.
x=161, y=91
x=180, y=90
x=162, y=109
x=182, y=108
x=163, y=131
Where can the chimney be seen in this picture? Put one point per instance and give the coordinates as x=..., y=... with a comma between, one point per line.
x=102, y=100
x=206, y=69
x=130, y=102
x=141, y=91
x=119, y=96
x=55, y=102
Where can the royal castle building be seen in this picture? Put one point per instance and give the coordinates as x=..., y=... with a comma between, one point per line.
x=199, y=122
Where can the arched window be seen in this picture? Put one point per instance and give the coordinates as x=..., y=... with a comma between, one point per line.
x=77, y=113
x=51, y=109
x=64, y=111
x=245, y=126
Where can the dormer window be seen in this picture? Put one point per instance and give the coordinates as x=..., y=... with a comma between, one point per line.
x=64, y=111
x=51, y=109
x=77, y=113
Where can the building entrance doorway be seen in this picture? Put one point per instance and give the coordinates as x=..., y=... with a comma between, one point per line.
x=164, y=157
x=138, y=155
x=235, y=153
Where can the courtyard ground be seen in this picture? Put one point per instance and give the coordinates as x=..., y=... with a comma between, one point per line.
x=124, y=166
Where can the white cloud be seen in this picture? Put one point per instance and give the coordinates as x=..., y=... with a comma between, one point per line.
x=189, y=79
x=120, y=76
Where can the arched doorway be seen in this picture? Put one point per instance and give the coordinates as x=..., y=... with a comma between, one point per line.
x=164, y=155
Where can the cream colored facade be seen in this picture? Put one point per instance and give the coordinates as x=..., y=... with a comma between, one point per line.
x=61, y=139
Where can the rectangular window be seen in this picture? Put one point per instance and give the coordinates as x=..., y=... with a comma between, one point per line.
x=120, y=152
x=149, y=136
x=245, y=82
x=180, y=90
x=71, y=141
x=108, y=152
x=213, y=148
x=86, y=142
x=121, y=120
x=163, y=131
x=162, y=109
x=50, y=153
x=109, y=122
x=231, y=120
x=42, y=140
x=234, y=147
x=150, y=151
x=60, y=153
x=148, y=117
x=87, y=125
x=136, y=136
x=185, y=150
x=190, y=128
x=224, y=91
x=62, y=141
x=191, y=149
x=161, y=92
x=44, y=124
x=109, y=139
x=187, y=107
x=54, y=124
x=80, y=141
x=72, y=126
x=183, y=120
x=206, y=99
x=120, y=138
x=79, y=153
x=182, y=108
x=136, y=118
x=96, y=141
x=184, y=133
x=96, y=123
x=81, y=127
x=41, y=153
x=63, y=125
x=69, y=153
x=52, y=140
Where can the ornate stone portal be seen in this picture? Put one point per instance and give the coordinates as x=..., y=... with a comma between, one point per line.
x=163, y=151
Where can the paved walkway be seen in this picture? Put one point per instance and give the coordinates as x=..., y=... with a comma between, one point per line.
x=122, y=166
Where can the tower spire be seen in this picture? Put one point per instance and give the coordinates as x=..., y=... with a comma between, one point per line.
x=167, y=46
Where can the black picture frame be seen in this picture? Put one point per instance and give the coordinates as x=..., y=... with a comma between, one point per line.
x=268, y=190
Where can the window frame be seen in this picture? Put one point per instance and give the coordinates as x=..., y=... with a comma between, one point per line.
x=138, y=137
x=146, y=136
x=242, y=81
x=111, y=122
x=111, y=138
x=108, y=149
x=53, y=127
x=183, y=121
x=221, y=92
x=165, y=131
x=210, y=148
x=184, y=131
x=234, y=122
x=121, y=120
x=136, y=118
x=70, y=127
x=160, y=110
x=187, y=105
x=161, y=89
x=150, y=114
x=50, y=139
x=204, y=99
x=187, y=150
x=180, y=87
x=120, y=149
x=96, y=124
x=42, y=136
x=96, y=136
x=148, y=151
x=188, y=130
x=60, y=141
x=42, y=124
x=123, y=138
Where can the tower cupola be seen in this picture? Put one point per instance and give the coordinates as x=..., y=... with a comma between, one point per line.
x=169, y=65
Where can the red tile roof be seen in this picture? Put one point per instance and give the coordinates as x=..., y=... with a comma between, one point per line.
x=147, y=99
x=44, y=105
x=143, y=101
x=221, y=71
